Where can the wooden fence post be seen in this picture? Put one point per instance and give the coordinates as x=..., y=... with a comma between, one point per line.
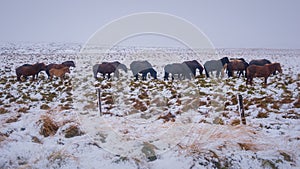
x=99, y=101
x=241, y=108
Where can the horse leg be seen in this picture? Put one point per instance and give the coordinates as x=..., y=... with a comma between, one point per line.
x=48, y=73
x=144, y=76
x=117, y=74
x=266, y=80
x=137, y=77
x=108, y=76
x=166, y=76
x=218, y=73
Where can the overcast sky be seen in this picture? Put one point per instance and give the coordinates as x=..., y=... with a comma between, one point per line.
x=227, y=23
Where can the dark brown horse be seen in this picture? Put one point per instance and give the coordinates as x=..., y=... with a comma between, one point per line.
x=29, y=70
x=194, y=65
x=118, y=66
x=262, y=71
x=236, y=65
x=103, y=68
x=59, y=66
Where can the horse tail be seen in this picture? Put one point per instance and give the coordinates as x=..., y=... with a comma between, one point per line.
x=206, y=72
x=95, y=70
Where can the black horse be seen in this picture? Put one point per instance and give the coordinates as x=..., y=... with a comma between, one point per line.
x=143, y=67
x=69, y=63
x=194, y=65
x=261, y=62
x=118, y=66
x=215, y=65
x=181, y=69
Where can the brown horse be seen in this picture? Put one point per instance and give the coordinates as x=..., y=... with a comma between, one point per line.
x=59, y=66
x=29, y=70
x=262, y=71
x=59, y=72
x=239, y=65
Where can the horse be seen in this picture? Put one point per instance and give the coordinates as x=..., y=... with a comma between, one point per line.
x=118, y=66
x=215, y=65
x=69, y=63
x=239, y=65
x=28, y=70
x=180, y=69
x=194, y=65
x=261, y=62
x=59, y=72
x=262, y=71
x=143, y=67
x=59, y=66
x=104, y=68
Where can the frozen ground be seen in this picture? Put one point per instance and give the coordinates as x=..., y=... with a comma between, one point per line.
x=146, y=124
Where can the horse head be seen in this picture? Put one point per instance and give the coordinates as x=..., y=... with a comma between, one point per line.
x=224, y=60
x=278, y=67
x=123, y=67
x=153, y=73
x=41, y=66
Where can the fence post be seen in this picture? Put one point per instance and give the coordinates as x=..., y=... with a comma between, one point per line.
x=241, y=108
x=99, y=101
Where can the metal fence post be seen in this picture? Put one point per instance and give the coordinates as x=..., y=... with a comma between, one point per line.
x=99, y=101
x=241, y=108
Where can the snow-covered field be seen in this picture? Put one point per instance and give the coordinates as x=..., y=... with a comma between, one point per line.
x=146, y=124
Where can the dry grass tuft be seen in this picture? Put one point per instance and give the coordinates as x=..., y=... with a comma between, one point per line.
x=168, y=117
x=262, y=115
x=3, y=110
x=23, y=109
x=73, y=131
x=235, y=122
x=45, y=107
x=140, y=106
x=49, y=127
x=13, y=119
x=297, y=103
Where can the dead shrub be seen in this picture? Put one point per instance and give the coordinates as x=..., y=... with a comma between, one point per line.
x=49, y=127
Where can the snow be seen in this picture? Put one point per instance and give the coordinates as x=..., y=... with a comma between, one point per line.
x=197, y=136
